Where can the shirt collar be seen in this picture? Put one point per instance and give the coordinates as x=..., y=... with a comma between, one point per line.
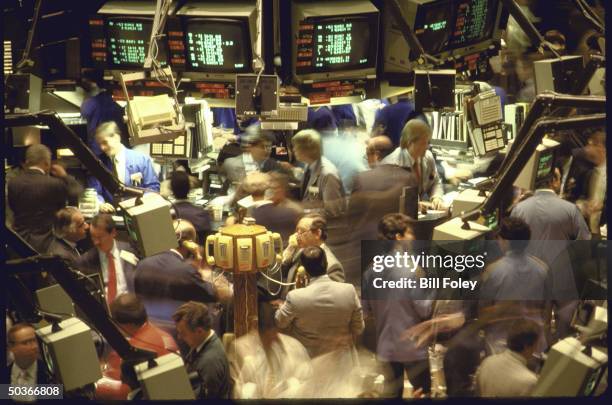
x=69, y=243
x=36, y=168
x=178, y=253
x=32, y=370
x=406, y=159
x=210, y=336
x=545, y=191
x=113, y=251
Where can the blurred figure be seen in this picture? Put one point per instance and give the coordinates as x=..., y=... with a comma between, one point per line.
x=178, y=166
x=377, y=191
x=200, y=218
x=27, y=369
x=396, y=312
x=274, y=217
x=391, y=119
x=414, y=155
x=206, y=355
x=326, y=315
x=129, y=314
x=321, y=186
x=516, y=286
x=586, y=180
x=37, y=193
x=278, y=191
x=506, y=374
x=269, y=364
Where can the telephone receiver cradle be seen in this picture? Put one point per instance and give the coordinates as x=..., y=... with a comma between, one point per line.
x=219, y=251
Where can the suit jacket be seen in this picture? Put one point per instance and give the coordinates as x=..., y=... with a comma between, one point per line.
x=324, y=316
x=324, y=188
x=211, y=364
x=34, y=198
x=62, y=249
x=376, y=192
x=335, y=270
x=165, y=281
x=431, y=184
x=42, y=373
x=135, y=162
x=199, y=217
x=89, y=263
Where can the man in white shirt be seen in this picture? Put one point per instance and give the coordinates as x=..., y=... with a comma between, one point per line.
x=26, y=369
x=506, y=374
x=114, y=260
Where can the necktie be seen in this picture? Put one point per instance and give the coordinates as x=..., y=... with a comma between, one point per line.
x=112, y=279
x=305, y=182
x=417, y=172
x=114, y=165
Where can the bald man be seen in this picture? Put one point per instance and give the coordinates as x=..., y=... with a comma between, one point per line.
x=377, y=191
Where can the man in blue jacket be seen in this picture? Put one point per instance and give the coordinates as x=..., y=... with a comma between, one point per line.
x=131, y=167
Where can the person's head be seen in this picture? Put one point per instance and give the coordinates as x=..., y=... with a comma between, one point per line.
x=179, y=184
x=314, y=261
x=258, y=145
x=103, y=232
x=377, y=148
x=23, y=344
x=38, y=155
x=256, y=184
x=514, y=234
x=108, y=137
x=193, y=323
x=311, y=230
x=415, y=138
x=70, y=224
x=551, y=181
x=395, y=227
x=596, y=146
x=129, y=312
x=556, y=39
x=322, y=120
x=279, y=184
x=307, y=146
x=523, y=337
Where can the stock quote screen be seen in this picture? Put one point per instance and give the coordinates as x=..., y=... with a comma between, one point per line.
x=336, y=44
x=128, y=42
x=433, y=26
x=473, y=22
x=222, y=46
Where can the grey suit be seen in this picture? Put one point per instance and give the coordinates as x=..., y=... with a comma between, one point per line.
x=324, y=316
x=324, y=188
x=335, y=270
x=431, y=184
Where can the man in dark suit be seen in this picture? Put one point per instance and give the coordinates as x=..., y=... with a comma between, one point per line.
x=69, y=228
x=200, y=219
x=114, y=260
x=255, y=157
x=27, y=368
x=206, y=354
x=377, y=192
x=34, y=196
x=168, y=279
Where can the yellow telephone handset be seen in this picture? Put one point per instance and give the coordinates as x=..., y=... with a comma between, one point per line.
x=209, y=250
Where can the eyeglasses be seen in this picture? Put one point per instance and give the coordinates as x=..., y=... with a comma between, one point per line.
x=302, y=231
x=26, y=342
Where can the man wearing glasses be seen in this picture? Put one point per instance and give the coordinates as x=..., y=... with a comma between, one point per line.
x=69, y=228
x=311, y=230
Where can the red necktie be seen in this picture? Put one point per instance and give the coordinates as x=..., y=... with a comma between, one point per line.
x=112, y=279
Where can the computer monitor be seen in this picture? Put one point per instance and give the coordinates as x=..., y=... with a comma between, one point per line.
x=571, y=369
x=334, y=40
x=445, y=28
x=218, y=39
x=539, y=166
